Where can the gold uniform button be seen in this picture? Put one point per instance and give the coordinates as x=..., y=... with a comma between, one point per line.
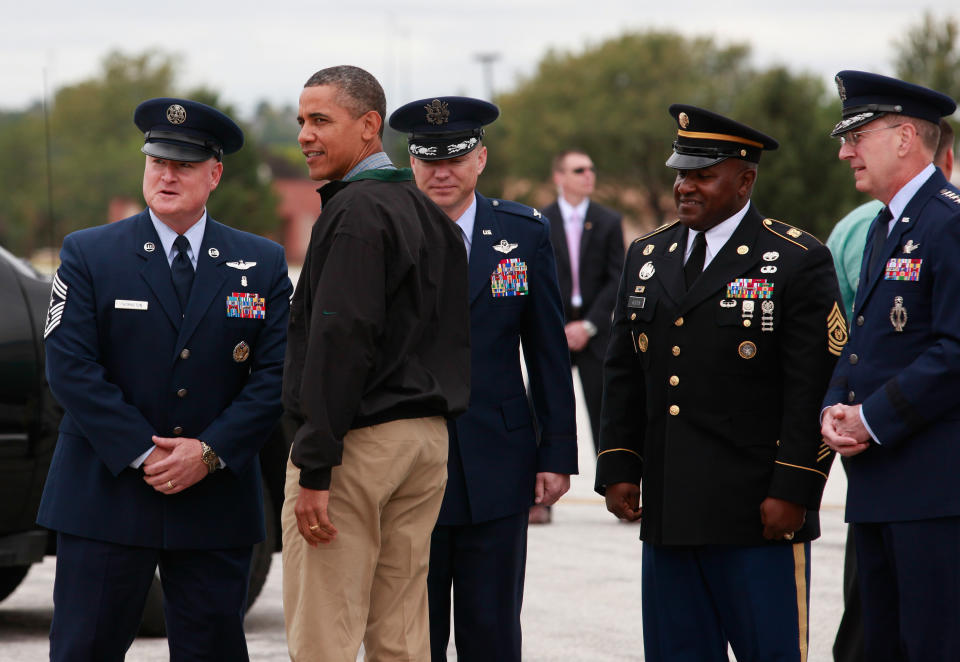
x=674, y=410
x=676, y=350
x=851, y=396
x=674, y=380
x=860, y=320
x=185, y=353
x=182, y=393
x=853, y=359
x=747, y=322
x=678, y=322
x=178, y=430
x=633, y=316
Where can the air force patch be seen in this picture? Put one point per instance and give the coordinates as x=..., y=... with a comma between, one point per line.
x=58, y=301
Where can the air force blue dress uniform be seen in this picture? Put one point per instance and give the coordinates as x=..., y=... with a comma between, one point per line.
x=126, y=363
x=505, y=438
x=902, y=365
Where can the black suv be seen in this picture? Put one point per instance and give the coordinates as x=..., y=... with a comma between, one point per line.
x=29, y=417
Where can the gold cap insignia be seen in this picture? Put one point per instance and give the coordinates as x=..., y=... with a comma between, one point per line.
x=743, y=152
x=747, y=350
x=684, y=120
x=437, y=112
x=176, y=114
x=836, y=330
x=241, y=352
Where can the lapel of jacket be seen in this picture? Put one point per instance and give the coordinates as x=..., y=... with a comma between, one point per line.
x=904, y=224
x=728, y=263
x=156, y=270
x=670, y=265
x=208, y=280
x=588, y=221
x=558, y=235
x=483, y=259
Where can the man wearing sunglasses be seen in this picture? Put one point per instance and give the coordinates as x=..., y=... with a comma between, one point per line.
x=891, y=410
x=588, y=241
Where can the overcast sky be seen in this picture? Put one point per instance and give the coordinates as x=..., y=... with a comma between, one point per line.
x=250, y=51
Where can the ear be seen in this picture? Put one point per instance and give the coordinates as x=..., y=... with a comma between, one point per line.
x=371, y=123
x=481, y=159
x=215, y=173
x=747, y=178
x=908, y=135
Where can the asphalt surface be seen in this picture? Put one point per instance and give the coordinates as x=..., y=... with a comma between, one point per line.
x=582, y=597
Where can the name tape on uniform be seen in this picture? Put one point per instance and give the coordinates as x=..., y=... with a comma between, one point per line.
x=130, y=304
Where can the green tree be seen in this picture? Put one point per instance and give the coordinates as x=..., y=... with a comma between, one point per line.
x=929, y=55
x=612, y=99
x=95, y=157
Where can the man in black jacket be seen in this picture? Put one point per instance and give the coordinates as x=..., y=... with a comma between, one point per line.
x=378, y=359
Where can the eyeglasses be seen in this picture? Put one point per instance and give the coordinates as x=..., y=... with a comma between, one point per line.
x=853, y=137
x=583, y=169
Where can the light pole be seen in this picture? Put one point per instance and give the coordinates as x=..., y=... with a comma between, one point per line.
x=486, y=61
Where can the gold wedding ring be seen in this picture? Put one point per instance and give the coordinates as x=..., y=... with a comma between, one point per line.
x=171, y=484
x=314, y=527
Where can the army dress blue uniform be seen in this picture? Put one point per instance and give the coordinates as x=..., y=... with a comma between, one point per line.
x=126, y=363
x=711, y=396
x=506, y=436
x=902, y=366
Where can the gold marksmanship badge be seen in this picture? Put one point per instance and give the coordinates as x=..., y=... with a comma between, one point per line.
x=836, y=330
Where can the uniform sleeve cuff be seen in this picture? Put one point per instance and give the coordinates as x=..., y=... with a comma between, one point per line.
x=316, y=479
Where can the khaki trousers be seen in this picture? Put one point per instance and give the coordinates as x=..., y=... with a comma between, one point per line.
x=370, y=583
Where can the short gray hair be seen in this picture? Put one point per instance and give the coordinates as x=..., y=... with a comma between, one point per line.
x=359, y=91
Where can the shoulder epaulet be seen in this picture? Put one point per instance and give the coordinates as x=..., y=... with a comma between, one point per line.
x=662, y=228
x=950, y=196
x=787, y=232
x=517, y=209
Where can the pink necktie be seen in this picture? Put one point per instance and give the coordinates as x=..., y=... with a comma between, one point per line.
x=574, y=233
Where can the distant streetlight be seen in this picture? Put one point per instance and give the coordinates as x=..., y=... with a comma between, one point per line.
x=486, y=61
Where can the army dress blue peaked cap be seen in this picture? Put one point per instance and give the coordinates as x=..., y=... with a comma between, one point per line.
x=443, y=127
x=705, y=138
x=868, y=96
x=184, y=130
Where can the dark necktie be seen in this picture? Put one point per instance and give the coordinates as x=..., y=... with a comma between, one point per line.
x=182, y=272
x=877, y=240
x=694, y=266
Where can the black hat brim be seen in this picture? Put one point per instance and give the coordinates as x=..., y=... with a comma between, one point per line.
x=691, y=162
x=176, y=152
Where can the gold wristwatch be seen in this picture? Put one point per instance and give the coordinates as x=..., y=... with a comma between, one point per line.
x=209, y=457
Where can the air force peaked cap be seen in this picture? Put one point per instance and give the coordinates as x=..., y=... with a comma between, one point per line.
x=184, y=130
x=443, y=127
x=705, y=138
x=867, y=96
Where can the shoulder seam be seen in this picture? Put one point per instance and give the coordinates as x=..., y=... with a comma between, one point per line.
x=768, y=222
x=662, y=228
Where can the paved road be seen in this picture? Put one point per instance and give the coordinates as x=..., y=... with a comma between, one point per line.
x=582, y=600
